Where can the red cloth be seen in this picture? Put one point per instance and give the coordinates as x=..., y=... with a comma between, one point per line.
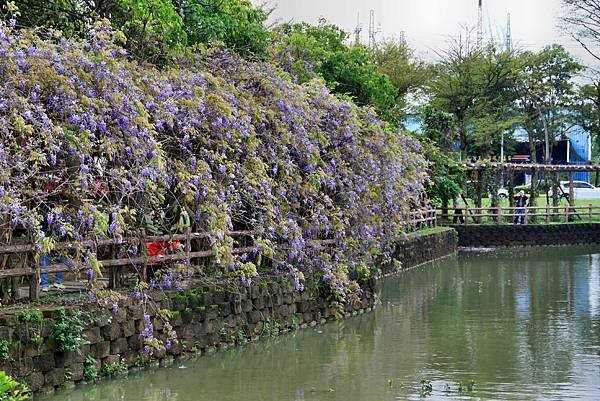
x=160, y=249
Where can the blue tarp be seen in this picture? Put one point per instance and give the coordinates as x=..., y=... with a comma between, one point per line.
x=579, y=151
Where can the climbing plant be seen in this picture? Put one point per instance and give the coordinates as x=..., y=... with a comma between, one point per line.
x=214, y=143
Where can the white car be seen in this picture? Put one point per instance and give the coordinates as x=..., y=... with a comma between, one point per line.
x=581, y=190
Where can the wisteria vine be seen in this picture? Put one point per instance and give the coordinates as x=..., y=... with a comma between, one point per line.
x=212, y=142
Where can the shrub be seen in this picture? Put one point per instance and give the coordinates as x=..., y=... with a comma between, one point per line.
x=68, y=331
x=11, y=390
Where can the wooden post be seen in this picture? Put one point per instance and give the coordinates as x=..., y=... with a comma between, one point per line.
x=590, y=212
x=34, y=285
x=112, y=272
x=571, y=193
x=567, y=213
x=526, y=220
x=555, y=189
x=188, y=244
x=478, y=203
x=143, y=254
x=571, y=190
x=500, y=213
x=547, y=215
x=511, y=188
x=532, y=194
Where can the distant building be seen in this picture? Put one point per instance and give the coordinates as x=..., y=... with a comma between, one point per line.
x=576, y=149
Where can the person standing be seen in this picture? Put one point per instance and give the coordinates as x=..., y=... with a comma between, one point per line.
x=458, y=210
x=521, y=205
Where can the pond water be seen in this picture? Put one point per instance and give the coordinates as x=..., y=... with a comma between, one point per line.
x=520, y=325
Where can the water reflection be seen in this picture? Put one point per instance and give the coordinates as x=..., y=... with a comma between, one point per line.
x=521, y=324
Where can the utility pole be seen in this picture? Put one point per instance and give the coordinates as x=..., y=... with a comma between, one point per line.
x=508, y=38
x=480, y=25
x=357, y=30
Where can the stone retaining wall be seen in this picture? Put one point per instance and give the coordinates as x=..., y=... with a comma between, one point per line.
x=489, y=235
x=419, y=248
x=205, y=319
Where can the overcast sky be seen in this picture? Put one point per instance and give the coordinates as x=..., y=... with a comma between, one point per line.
x=428, y=24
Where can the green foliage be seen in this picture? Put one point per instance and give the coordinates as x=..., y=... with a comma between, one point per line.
x=309, y=51
x=153, y=28
x=587, y=106
x=4, y=350
x=545, y=92
x=11, y=390
x=475, y=86
x=33, y=322
x=68, y=331
x=407, y=73
x=30, y=316
x=114, y=369
x=236, y=23
x=446, y=175
x=90, y=373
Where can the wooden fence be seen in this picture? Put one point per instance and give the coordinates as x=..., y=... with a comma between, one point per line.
x=529, y=214
x=194, y=245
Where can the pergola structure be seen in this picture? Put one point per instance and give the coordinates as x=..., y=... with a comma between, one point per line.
x=508, y=169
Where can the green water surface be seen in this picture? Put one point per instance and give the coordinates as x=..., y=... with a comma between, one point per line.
x=519, y=324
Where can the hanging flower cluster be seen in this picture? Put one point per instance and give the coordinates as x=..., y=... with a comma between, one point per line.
x=92, y=143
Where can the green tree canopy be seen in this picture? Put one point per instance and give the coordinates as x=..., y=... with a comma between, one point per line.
x=236, y=23
x=155, y=28
x=545, y=93
x=407, y=73
x=318, y=51
x=474, y=85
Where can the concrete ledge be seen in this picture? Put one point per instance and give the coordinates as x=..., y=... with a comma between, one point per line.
x=497, y=235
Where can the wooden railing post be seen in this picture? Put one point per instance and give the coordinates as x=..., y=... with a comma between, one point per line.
x=525, y=221
x=500, y=213
x=590, y=212
x=188, y=244
x=143, y=254
x=547, y=215
x=34, y=286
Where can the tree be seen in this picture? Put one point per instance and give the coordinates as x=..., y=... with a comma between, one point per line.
x=474, y=86
x=318, y=51
x=155, y=29
x=545, y=95
x=408, y=74
x=582, y=21
x=588, y=112
x=236, y=23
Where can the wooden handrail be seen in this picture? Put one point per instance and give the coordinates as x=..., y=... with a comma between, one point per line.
x=499, y=212
x=414, y=220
